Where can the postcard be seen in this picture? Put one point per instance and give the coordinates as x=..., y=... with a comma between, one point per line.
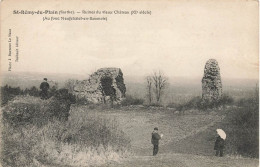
x=129, y=83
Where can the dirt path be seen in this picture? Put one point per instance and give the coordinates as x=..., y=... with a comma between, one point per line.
x=180, y=146
x=185, y=160
x=139, y=125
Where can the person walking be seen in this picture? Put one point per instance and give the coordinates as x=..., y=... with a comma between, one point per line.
x=220, y=142
x=44, y=87
x=155, y=141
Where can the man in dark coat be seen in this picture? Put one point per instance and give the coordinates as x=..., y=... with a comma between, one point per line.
x=219, y=146
x=44, y=87
x=155, y=141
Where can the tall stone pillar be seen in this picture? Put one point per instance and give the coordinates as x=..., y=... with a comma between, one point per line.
x=211, y=82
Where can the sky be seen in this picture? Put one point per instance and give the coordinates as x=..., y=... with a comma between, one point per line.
x=177, y=38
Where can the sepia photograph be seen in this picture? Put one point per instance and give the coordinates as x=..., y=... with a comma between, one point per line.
x=130, y=83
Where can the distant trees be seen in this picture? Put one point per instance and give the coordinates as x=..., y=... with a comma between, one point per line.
x=158, y=82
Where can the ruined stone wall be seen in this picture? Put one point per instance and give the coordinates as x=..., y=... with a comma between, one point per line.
x=211, y=81
x=92, y=90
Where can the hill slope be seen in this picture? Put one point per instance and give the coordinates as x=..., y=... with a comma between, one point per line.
x=188, y=139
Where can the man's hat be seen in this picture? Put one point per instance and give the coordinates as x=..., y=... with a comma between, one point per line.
x=45, y=79
x=155, y=128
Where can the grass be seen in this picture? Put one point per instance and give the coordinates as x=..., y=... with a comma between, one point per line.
x=242, y=125
x=23, y=110
x=92, y=137
x=198, y=103
x=130, y=100
x=84, y=140
x=242, y=129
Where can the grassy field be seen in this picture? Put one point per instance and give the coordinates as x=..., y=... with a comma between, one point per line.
x=188, y=138
x=139, y=124
x=101, y=136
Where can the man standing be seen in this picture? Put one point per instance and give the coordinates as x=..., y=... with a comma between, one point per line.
x=44, y=87
x=155, y=140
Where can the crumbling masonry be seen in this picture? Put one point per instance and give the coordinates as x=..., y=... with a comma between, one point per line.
x=211, y=82
x=104, y=85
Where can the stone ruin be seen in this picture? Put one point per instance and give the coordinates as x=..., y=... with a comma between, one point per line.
x=104, y=85
x=211, y=82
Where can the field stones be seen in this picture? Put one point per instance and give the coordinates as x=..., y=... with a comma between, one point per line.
x=211, y=82
x=101, y=86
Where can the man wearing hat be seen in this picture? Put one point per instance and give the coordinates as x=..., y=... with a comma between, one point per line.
x=155, y=140
x=44, y=87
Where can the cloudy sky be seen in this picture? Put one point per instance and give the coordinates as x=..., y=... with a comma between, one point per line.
x=177, y=38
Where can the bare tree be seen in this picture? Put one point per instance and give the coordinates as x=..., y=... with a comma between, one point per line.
x=160, y=82
x=149, y=88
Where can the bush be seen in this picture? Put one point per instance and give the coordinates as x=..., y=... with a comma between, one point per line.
x=32, y=110
x=243, y=128
x=223, y=101
x=8, y=93
x=129, y=100
x=82, y=101
x=81, y=141
x=34, y=91
x=172, y=105
x=60, y=104
x=18, y=113
x=194, y=103
x=198, y=103
x=91, y=131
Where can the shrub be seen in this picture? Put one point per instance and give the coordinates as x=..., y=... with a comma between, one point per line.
x=172, y=105
x=8, y=93
x=225, y=100
x=243, y=128
x=82, y=101
x=34, y=91
x=52, y=91
x=81, y=141
x=90, y=131
x=129, y=100
x=194, y=103
x=63, y=94
x=198, y=103
x=32, y=110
